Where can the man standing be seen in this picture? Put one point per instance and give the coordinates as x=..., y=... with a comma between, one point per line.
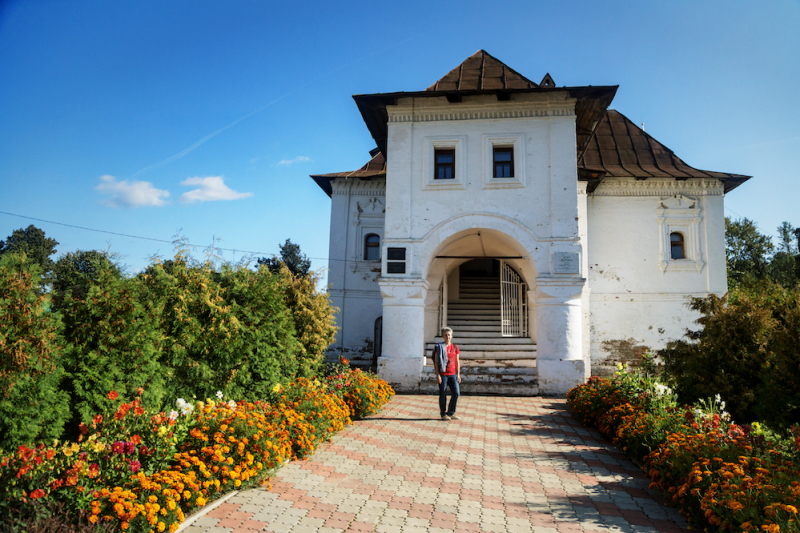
x=448, y=373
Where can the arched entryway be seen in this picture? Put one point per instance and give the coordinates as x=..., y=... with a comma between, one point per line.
x=478, y=277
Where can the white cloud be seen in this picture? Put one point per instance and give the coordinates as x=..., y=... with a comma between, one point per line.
x=130, y=193
x=298, y=159
x=209, y=189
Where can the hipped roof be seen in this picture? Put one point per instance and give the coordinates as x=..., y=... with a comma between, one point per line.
x=481, y=74
x=608, y=143
x=620, y=149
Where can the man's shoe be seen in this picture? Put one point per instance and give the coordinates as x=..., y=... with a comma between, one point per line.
x=445, y=417
x=454, y=417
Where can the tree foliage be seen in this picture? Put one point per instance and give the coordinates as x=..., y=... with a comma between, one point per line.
x=297, y=262
x=32, y=242
x=747, y=350
x=32, y=407
x=314, y=318
x=752, y=257
x=76, y=272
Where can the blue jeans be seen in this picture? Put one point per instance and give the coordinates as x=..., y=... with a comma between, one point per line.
x=452, y=382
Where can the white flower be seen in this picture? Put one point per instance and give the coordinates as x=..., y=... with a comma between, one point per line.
x=180, y=403
x=173, y=415
x=661, y=390
x=219, y=394
x=718, y=398
x=232, y=404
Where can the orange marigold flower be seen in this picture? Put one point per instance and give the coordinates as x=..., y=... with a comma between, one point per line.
x=113, y=395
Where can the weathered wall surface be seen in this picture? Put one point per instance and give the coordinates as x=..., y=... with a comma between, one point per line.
x=638, y=293
x=357, y=210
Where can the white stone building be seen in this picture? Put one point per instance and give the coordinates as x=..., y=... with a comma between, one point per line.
x=552, y=234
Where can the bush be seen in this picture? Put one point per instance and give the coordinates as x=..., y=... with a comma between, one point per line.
x=138, y=470
x=32, y=407
x=313, y=317
x=748, y=351
x=111, y=342
x=724, y=477
x=363, y=392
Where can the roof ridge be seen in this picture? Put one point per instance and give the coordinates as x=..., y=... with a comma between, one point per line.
x=482, y=64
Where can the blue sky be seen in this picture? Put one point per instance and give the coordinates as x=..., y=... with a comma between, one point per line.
x=149, y=117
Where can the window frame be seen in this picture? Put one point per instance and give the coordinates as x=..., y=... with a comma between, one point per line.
x=444, y=166
x=497, y=149
x=430, y=146
x=504, y=141
x=372, y=245
x=677, y=243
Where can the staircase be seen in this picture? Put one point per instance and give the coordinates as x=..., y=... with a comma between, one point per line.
x=490, y=363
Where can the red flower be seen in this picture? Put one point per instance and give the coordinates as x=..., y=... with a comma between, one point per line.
x=113, y=395
x=84, y=429
x=38, y=493
x=139, y=391
x=97, y=419
x=136, y=439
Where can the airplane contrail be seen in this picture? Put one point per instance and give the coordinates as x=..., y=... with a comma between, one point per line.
x=210, y=136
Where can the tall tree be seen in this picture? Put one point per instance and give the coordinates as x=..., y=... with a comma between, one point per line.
x=32, y=242
x=297, y=262
x=75, y=272
x=785, y=265
x=747, y=251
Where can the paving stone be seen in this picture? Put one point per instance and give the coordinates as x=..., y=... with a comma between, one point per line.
x=515, y=465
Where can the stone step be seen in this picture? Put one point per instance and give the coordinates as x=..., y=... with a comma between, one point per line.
x=471, y=312
x=475, y=323
x=473, y=326
x=491, y=333
x=469, y=340
x=453, y=308
x=492, y=366
x=483, y=289
x=494, y=355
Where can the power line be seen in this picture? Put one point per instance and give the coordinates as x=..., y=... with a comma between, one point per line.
x=156, y=240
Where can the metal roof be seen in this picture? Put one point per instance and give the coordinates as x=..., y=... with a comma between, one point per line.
x=481, y=71
x=619, y=148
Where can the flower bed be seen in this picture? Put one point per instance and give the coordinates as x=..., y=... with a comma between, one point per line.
x=141, y=471
x=723, y=476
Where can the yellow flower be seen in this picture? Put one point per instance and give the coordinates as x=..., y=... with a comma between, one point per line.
x=276, y=388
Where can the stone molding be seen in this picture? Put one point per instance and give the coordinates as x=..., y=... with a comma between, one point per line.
x=478, y=112
x=659, y=187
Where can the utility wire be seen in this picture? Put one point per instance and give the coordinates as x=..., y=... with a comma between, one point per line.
x=157, y=240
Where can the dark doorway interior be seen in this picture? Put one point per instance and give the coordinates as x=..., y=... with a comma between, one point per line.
x=481, y=268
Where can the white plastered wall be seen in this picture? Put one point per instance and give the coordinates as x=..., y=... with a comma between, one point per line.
x=357, y=210
x=638, y=293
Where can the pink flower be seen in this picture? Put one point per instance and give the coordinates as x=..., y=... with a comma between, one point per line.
x=135, y=466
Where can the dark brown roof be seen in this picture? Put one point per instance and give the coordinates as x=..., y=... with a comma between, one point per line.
x=621, y=149
x=375, y=168
x=482, y=71
x=482, y=74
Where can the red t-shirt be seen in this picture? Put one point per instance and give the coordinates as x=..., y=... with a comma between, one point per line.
x=452, y=352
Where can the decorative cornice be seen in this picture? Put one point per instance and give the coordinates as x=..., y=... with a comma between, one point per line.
x=409, y=114
x=358, y=187
x=659, y=187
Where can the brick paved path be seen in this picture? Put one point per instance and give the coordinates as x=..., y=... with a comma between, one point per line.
x=509, y=465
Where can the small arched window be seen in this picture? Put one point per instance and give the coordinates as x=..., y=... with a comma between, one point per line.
x=372, y=247
x=677, y=245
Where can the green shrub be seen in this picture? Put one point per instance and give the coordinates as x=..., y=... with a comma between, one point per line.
x=748, y=351
x=266, y=350
x=313, y=317
x=224, y=331
x=111, y=342
x=32, y=408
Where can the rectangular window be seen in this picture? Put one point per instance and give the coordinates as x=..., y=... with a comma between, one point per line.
x=395, y=260
x=503, y=162
x=444, y=164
